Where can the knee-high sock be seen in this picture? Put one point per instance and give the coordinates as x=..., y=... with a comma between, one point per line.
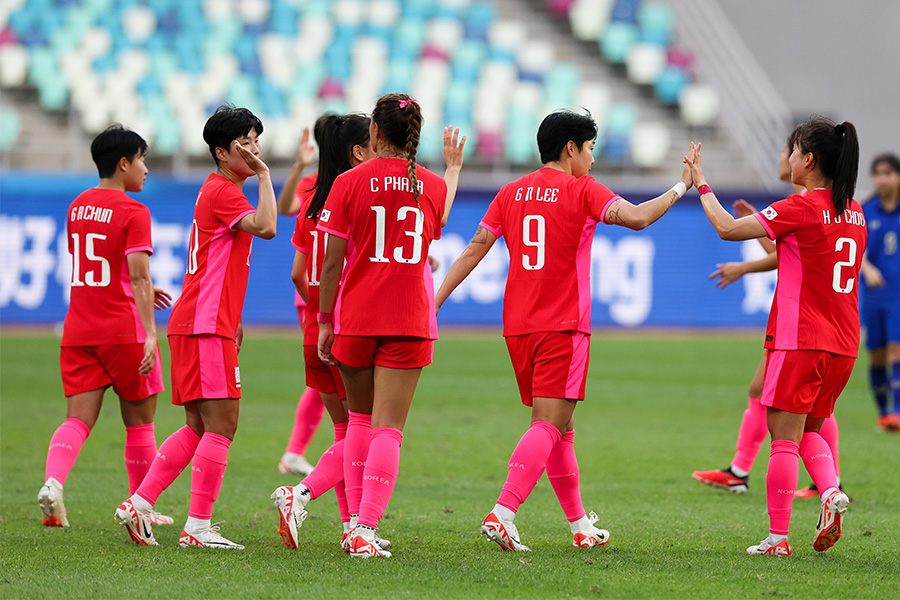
x=382, y=468
x=356, y=449
x=140, y=448
x=328, y=473
x=64, y=447
x=878, y=379
x=781, y=482
x=306, y=421
x=751, y=435
x=829, y=433
x=564, y=476
x=527, y=463
x=172, y=457
x=210, y=461
x=895, y=386
x=818, y=461
x=340, y=434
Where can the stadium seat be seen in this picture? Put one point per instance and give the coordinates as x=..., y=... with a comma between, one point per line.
x=10, y=126
x=644, y=63
x=649, y=144
x=699, y=105
x=14, y=65
x=669, y=84
x=588, y=18
x=655, y=21
x=616, y=40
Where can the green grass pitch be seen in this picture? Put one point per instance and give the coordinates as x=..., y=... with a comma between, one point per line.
x=659, y=407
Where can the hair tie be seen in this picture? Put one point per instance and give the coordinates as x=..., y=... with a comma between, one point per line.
x=403, y=103
x=840, y=129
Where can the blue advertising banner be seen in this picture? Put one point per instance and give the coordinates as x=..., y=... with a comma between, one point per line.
x=655, y=277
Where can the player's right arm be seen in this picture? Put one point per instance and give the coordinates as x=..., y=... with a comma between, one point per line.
x=871, y=273
x=144, y=295
x=288, y=202
x=262, y=222
x=298, y=275
x=453, y=156
x=332, y=265
x=476, y=250
x=730, y=272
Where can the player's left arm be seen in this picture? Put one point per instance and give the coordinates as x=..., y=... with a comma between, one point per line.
x=453, y=155
x=742, y=208
x=871, y=273
x=728, y=228
x=730, y=272
x=332, y=265
x=144, y=297
x=298, y=275
x=476, y=250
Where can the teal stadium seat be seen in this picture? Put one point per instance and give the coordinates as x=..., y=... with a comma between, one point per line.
x=616, y=40
x=10, y=127
x=560, y=83
x=656, y=21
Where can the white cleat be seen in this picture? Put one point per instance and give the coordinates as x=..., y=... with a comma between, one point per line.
x=503, y=532
x=591, y=537
x=291, y=514
x=295, y=464
x=137, y=523
x=363, y=544
x=157, y=518
x=207, y=538
x=764, y=548
x=50, y=499
x=828, y=529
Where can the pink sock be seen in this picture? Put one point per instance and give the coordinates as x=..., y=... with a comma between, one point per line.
x=527, y=463
x=328, y=473
x=781, y=482
x=306, y=421
x=356, y=449
x=564, y=476
x=751, y=435
x=340, y=433
x=829, y=433
x=65, y=445
x=140, y=448
x=210, y=461
x=382, y=468
x=818, y=460
x=171, y=459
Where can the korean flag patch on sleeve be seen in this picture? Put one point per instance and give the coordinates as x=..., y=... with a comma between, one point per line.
x=769, y=213
x=326, y=214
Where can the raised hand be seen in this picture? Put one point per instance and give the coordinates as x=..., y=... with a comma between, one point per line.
x=306, y=152
x=453, y=151
x=253, y=161
x=693, y=161
x=742, y=208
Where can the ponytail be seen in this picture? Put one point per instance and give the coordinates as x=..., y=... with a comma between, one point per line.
x=337, y=137
x=836, y=151
x=400, y=119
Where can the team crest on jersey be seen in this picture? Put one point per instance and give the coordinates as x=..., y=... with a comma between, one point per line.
x=769, y=213
x=326, y=214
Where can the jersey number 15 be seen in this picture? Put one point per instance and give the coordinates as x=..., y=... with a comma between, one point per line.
x=90, y=253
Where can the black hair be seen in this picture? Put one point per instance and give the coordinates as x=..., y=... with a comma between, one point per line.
x=401, y=125
x=336, y=137
x=228, y=124
x=559, y=128
x=112, y=145
x=887, y=158
x=835, y=149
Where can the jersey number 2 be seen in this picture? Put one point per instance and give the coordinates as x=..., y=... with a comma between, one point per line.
x=416, y=234
x=90, y=278
x=836, y=281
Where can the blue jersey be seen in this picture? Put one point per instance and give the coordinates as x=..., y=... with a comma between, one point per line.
x=882, y=251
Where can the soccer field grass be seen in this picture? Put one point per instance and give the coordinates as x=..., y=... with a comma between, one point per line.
x=659, y=407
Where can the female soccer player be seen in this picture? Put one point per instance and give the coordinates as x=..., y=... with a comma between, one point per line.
x=380, y=216
x=310, y=409
x=109, y=336
x=205, y=330
x=753, y=430
x=812, y=338
x=880, y=298
x=549, y=218
x=344, y=145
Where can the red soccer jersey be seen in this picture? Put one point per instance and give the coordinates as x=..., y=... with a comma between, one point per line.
x=819, y=255
x=212, y=295
x=387, y=286
x=103, y=227
x=304, y=191
x=548, y=218
x=312, y=242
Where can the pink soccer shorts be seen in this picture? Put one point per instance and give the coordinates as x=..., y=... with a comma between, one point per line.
x=86, y=368
x=391, y=351
x=204, y=366
x=550, y=364
x=320, y=376
x=805, y=381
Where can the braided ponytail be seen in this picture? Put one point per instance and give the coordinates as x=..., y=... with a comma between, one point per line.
x=400, y=119
x=413, y=127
